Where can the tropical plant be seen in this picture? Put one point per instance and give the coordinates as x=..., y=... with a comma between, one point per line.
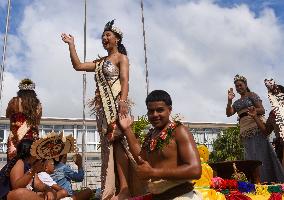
x=227, y=146
x=140, y=127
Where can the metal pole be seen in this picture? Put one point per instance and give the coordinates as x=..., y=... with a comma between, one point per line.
x=145, y=49
x=84, y=156
x=4, y=48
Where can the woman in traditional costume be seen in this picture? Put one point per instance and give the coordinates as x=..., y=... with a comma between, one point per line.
x=111, y=75
x=275, y=120
x=256, y=143
x=24, y=112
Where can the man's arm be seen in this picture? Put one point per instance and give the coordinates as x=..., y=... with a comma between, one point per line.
x=265, y=128
x=56, y=187
x=133, y=143
x=187, y=152
x=74, y=176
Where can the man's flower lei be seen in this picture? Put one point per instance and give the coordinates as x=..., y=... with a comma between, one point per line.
x=164, y=137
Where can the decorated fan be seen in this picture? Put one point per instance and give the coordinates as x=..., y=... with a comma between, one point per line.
x=52, y=146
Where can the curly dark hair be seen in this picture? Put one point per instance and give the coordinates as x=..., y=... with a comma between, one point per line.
x=281, y=88
x=159, y=95
x=30, y=104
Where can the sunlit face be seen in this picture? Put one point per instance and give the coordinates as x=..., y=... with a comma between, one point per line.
x=49, y=166
x=109, y=40
x=158, y=113
x=241, y=87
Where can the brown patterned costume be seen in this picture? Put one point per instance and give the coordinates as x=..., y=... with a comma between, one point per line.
x=105, y=106
x=19, y=127
x=256, y=144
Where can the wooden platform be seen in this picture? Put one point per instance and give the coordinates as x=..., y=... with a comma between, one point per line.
x=248, y=167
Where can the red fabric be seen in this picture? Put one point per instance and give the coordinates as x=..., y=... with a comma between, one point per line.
x=231, y=184
x=237, y=196
x=144, y=197
x=275, y=196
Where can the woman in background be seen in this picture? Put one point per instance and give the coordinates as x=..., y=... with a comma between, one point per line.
x=24, y=112
x=256, y=143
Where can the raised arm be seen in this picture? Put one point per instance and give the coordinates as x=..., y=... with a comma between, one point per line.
x=124, y=79
x=77, y=64
x=134, y=145
x=229, y=109
x=19, y=179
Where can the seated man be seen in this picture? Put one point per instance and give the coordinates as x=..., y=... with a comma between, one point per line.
x=46, y=179
x=63, y=175
x=168, y=158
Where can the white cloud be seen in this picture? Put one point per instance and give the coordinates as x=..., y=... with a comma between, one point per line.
x=194, y=50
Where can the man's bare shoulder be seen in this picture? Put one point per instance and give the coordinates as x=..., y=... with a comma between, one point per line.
x=182, y=134
x=182, y=130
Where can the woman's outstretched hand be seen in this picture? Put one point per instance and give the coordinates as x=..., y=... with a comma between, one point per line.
x=67, y=38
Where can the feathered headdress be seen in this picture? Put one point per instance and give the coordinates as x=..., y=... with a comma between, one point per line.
x=110, y=27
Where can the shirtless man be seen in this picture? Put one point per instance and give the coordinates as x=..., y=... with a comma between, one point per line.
x=168, y=158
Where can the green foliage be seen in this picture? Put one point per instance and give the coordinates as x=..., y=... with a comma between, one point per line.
x=227, y=146
x=140, y=127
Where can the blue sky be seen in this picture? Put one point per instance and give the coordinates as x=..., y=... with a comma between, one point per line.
x=257, y=6
x=194, y=50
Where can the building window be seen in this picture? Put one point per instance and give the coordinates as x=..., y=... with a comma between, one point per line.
x=2, y=136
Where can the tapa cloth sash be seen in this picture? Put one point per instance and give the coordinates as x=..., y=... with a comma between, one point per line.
x=108, y=92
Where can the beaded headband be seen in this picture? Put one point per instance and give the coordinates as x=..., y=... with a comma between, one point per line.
x=109, y=27
x=26, y=84
x=240, y=78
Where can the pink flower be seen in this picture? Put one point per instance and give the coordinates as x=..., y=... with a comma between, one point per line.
x=172, y=125
x=163, y=135
x=153, y=144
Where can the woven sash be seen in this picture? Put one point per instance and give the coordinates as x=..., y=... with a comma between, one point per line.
x=108, y=93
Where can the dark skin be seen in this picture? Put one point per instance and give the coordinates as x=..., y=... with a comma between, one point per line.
x=177, y=161
x=49, y=168
x=109, y=41
x=268, y=127
x=242, y=89
x=19, y=180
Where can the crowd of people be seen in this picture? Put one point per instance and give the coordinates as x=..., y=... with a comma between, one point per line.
x=162, y=165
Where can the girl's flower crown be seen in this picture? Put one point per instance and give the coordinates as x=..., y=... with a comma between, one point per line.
x=26, y=84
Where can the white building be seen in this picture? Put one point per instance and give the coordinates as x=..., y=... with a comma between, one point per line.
x=204, y=133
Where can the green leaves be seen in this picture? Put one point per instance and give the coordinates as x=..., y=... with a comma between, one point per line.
x=140, y=127
x=227, y=146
